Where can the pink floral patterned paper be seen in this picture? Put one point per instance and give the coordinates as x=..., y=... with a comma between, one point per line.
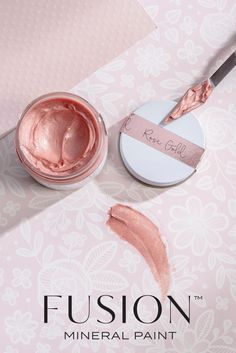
x=58, y=242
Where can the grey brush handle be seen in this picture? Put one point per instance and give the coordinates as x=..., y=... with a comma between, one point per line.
x=224, y=69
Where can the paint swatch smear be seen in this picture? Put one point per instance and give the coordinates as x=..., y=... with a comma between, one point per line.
x=139, y=231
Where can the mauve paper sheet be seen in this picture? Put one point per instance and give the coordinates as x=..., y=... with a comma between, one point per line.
x=52, y=45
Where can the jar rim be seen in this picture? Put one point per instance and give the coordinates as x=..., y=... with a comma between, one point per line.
x=91, y=162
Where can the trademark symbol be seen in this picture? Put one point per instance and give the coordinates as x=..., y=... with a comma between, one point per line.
x=198, y=297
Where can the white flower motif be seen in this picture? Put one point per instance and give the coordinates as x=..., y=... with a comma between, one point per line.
x=10, y=295
x=188, y=25
x=10, y=349
x=21, y=278
x=146, y=91
x=216, y=27
x=43, y=348
x=197, y=225
x=74, y=239
x=152, y=11
x=189, y=344
x=11, y=208
x=89, y=91
x=60, y=219
x=65, y=277
x=190, y=52
x=152, y=60
x=183, y=277
x=219, y=125
x=21, y=327
x=222, y=303
x=127, y=80
x=129, y=261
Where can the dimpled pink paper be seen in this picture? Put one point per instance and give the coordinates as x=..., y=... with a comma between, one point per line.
x=50, y=45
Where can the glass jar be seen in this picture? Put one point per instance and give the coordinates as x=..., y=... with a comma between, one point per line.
x=61, y=140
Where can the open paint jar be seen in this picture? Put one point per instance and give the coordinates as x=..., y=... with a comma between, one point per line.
x=61, y=140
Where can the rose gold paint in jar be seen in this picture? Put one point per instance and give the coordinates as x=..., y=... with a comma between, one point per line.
x=61, y=140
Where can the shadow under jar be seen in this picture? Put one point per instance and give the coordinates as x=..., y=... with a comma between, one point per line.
x=61, y=140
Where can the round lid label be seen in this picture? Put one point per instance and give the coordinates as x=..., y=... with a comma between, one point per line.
x=160, y=155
